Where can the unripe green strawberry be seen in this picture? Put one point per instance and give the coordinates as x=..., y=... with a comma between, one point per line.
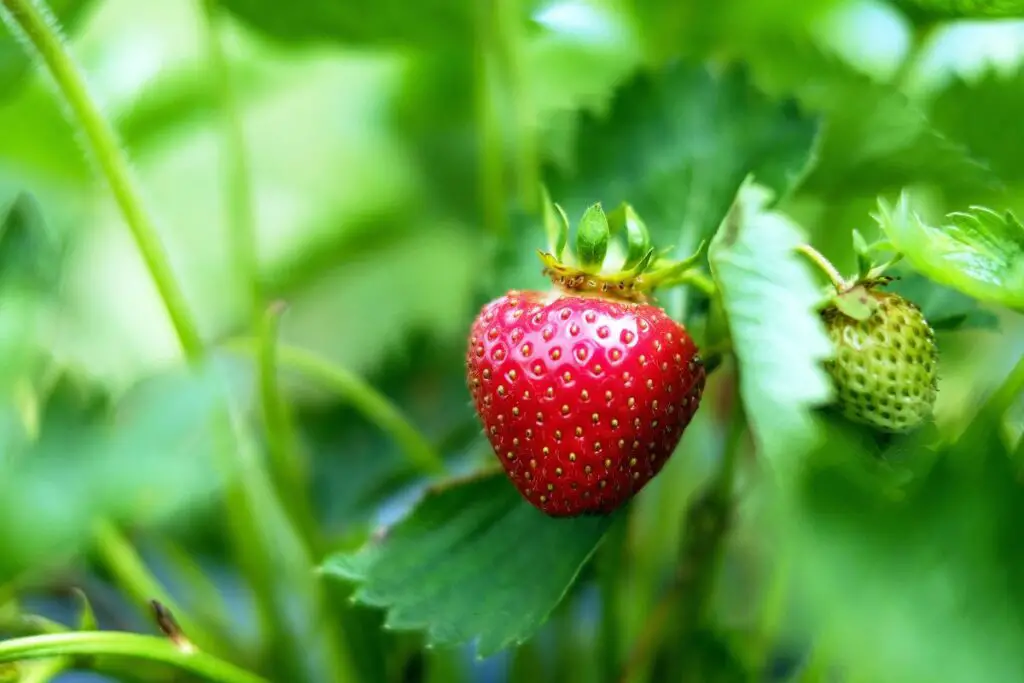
x=885, y=367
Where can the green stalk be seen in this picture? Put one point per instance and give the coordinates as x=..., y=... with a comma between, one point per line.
x=238, y=190
x=132, y=576
x=287, y=468
x=372, y=404
x=36, y=21
x=128, y=645
x=492, y=172
x=46, y=671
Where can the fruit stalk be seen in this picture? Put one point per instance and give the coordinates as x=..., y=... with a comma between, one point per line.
x=819, y=260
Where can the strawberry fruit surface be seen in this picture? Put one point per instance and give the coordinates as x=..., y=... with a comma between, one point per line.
x=885, y=367
x=583, y=398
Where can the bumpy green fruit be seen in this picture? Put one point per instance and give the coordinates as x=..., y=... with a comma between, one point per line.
x=886, y=367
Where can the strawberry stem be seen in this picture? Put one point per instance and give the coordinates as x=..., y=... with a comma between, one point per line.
x=818, y=259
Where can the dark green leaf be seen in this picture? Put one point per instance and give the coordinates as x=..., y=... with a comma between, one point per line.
x=473, y=561
x=757, y=269
x=922, y=579
x=979, y=252
x=981, y=114
x=676, y=145
x=30, y=252
x=15, y=60
x=924, y=10
x=436, y=23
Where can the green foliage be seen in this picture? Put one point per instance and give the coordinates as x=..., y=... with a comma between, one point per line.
x=754, y=262
x=899, y=575
x=978, y=252
x=677, y=143
x=436, y=23
x=141, y=464
x=472, y=562
x=978, y=113
x=387, y=160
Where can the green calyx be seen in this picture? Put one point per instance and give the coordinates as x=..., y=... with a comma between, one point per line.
x=612, y=255
x=852, y=296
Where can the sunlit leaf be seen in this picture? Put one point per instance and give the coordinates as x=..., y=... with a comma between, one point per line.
x=979, y=252
x=473, y=562
x=874, y=137
x=769, y=296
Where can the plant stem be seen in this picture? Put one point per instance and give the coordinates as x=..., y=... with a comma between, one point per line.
x=611, y=580
x=707, y=520
x=35, y=19
x=238, y=190
x=130, y=645
x=46, y=670
x=818, y=259
x=287, y=469
x=367, y=400
x=492, y=162
x=132, y=576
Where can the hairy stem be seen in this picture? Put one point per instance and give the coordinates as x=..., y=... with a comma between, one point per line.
x=819, y=260
x=238, y=190
x=34, y=19
x=128, y=645
x=367, y=400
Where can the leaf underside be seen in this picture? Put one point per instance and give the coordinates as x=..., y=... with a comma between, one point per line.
x=770, y=296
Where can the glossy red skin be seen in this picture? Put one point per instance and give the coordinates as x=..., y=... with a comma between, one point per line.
x=583, y=399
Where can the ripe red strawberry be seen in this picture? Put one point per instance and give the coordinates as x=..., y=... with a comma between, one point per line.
x=583, y=398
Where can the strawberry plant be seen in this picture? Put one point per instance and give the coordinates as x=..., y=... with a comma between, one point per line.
x=588, y=342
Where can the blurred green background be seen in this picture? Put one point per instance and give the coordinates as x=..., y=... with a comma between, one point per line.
x=389, y=160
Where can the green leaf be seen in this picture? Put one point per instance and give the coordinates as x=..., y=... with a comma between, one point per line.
x=15, y=60
x=151, y=460
x=979, y=252
x=921, y=579
x=769, y=297
x=638, y=237
x=962, y=9
x=31, y=255
x=980, y=112
x=677, y=143
x=437, y=23
x=874, y=137
x=473, y=561
x=944, y=307
x=592, y=237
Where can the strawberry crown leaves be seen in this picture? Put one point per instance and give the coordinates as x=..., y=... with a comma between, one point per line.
x=593, y=266
x=851, y=296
